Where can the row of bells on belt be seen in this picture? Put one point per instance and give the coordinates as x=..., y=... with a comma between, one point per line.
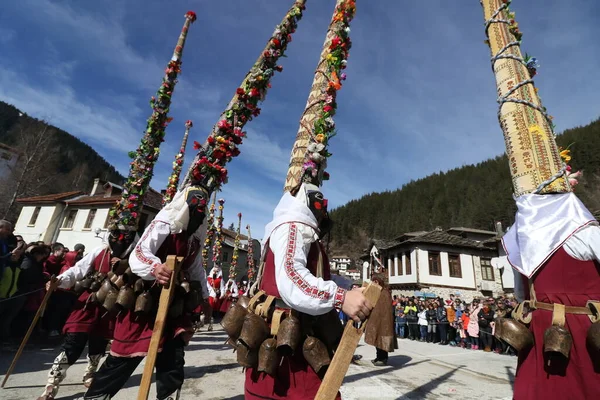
x=557, y=339
x=249, y=335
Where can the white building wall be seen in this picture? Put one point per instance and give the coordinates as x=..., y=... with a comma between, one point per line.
x=404, y=278
x=43, y=228
x=466, y=264
x=503, y=267
x=87, y=237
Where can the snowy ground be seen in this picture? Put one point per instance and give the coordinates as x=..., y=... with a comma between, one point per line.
x=415, y=371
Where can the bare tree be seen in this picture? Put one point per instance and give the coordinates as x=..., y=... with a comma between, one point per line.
x=30, y=176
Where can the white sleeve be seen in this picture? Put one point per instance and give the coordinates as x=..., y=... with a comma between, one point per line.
x=298, y=288
x=80, y=269
x=584, y=245
x=234, y=290
x=143, y=259
x=222, y=288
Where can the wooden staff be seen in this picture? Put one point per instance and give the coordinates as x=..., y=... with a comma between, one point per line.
x=531, y=148
x=343, y=355
x=40, y=313
x=173, y=263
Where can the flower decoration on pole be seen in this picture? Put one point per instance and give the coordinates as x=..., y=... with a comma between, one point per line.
x=210, y=234
x=236, y=246
x=535, y=160
x=177, y=166
x=218, y=246
x=125, y=215
x=250, y=259
x=317, y=127
x=209, y=166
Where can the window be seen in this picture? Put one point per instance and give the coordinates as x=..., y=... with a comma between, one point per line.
x=408, y=266
x=90, y=219
x=434, y=264
x=392, y=265
x=225, y=256
x=487, y=271
x=454, y=262
x=34, y=216
x=69, y=220
x=399, y=258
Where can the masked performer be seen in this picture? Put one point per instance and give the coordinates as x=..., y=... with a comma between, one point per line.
x=89, y=323
x=216, y=288
x=296, y=272
x=231, y=295
x=176, y=230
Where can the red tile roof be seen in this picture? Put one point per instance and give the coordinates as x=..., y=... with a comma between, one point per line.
x=98, y=200
x=50, y=198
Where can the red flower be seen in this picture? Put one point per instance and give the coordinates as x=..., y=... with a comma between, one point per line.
x=240, y=91
x=279, y=68
x=211, y=140
x=197, y=145
x=218, y=154
x=254, y=92
x=276, y=42
x=335, y=42
x=191, y=15
x=327, y=108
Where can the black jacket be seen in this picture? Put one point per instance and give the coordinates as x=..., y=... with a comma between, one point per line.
x=32, y=274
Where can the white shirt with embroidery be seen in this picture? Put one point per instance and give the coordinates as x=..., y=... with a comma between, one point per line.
x=143, y=260
x=297, y=286
x=233, y=289
x=78, y=271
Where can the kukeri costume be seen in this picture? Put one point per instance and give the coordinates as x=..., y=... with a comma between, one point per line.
x=166, y=235
x=554, y=244
x=89, y=322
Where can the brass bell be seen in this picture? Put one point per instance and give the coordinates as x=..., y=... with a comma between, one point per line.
x=77, y=288
x=593, y=338
x=176, y=308
x=192, y=300
x=86, y=283
x=120, y=281
x=246, y=357
x=268, y=358
x=316, y=354
x=186, y=286
x=233, y=321
x=557, y=340
x=126, y=298
x=92, y=299
x=103, y=291
x=95, y=286
x=243, y=301
x=514, y=333
x=254, y=331
x=99, y=277
x=289, y=335
x=143, y=304
x=129, y=276
x=110, y=275
x=138, y=286
x=111, y=300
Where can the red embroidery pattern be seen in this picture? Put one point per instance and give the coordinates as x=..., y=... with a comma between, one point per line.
x=340, y=295
x=138, y=250
x=291, y=272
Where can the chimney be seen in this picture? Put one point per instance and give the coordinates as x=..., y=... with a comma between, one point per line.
x=499, y=230
x=95, y=187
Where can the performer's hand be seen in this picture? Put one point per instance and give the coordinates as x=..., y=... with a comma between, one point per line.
x=114, y=261
x=49, y=283
x=356, y=305
x=162, y=274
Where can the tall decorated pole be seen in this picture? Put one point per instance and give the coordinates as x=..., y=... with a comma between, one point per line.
x=552, y=245
x=125, y=215
x=177, y=166
x=218, y=245
x=309, y=154
x=210, y=234
x=250, y=259
x=209, y=166
x=236, y=247
x=534, y=158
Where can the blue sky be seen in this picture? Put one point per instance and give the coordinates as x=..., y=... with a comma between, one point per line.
x=419, y=99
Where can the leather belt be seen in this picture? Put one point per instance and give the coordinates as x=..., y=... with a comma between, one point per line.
x=568, y=309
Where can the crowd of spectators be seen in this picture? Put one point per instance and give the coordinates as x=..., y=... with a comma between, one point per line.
x=24, y=270
x=453, y=321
